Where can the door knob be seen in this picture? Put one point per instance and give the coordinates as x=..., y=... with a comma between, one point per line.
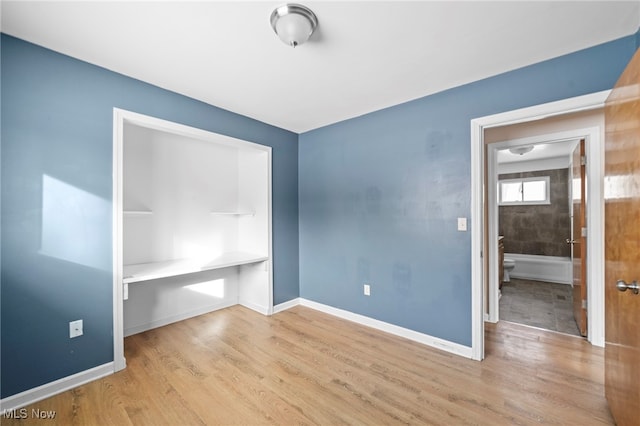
x=571, y=241
x=621, y=285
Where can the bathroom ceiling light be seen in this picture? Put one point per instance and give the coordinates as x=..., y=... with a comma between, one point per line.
x=521, y=150
x=293, y=23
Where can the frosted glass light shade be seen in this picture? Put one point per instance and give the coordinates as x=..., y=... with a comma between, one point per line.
x=521, y=150
x=293, y=23
x=293, y=29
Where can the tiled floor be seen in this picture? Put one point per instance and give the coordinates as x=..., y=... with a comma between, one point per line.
x=538, y=304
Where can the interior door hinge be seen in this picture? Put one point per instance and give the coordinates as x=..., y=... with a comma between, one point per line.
x=584, y=304
x=583, y=232
x=583, y=160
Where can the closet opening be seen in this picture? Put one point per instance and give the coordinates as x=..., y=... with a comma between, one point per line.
x=192, y=225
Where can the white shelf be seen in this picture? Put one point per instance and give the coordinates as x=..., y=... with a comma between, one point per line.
x=171, y=268
x=220, y=213
x=137, y=212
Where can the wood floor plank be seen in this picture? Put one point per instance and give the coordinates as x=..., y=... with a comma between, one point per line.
x=301, y=366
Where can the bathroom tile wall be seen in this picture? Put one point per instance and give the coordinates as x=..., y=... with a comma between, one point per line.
x=538, y=229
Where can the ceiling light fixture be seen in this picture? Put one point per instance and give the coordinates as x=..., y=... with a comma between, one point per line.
x=521, y=150
x=293, y=23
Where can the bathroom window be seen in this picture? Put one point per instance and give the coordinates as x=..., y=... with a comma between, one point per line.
x=524, y=191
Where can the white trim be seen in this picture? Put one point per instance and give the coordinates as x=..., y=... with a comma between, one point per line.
x=269, y=264
x=523, y=202
x=286, y=305
x=580, y=103
x=159, y=124
x=425, y=339
x=264, y=310
x=595, y=234
x=477, y=226
x=541, y=111
x=53, y=388
x=492, y=230
x=119, y=361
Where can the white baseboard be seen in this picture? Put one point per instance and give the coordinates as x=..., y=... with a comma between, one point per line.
x=552, y=269
x=45, y=391
x=30, y=396
x=286, y=305
x=255, y=307
x=175, y=318
x=425, y=339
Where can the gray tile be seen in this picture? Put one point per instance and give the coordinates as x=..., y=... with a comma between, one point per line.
x=539, y=304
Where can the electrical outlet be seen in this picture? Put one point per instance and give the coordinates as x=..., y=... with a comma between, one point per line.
x=462, y=224
x=75, y=329
x=367, y=290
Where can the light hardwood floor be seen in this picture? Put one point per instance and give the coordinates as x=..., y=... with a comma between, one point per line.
x=301, y=366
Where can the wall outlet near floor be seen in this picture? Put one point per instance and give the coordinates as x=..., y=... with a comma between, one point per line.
x=75, y=329
x=367, y=290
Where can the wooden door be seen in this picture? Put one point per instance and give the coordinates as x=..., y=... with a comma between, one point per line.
x=622, y=246
x=579, y=240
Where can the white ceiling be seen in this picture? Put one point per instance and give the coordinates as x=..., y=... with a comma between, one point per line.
x=365, y=55
x=541, y=151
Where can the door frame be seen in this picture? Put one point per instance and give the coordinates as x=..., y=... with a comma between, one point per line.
x=478, y=205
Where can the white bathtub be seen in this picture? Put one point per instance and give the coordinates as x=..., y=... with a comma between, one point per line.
x=553, y=269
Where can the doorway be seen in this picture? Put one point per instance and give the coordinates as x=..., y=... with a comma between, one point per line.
x=533, y=216
x=484, y=268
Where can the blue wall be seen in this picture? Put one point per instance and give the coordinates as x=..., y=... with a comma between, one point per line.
x=380, y=194
x=378, y=199
x=57, y=118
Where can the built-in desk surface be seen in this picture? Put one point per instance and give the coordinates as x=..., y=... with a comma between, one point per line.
x=154, y=270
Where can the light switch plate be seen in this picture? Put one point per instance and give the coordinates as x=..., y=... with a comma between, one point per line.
x=462, y=224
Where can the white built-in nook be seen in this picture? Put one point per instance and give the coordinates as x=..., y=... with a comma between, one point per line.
x=193, y=216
